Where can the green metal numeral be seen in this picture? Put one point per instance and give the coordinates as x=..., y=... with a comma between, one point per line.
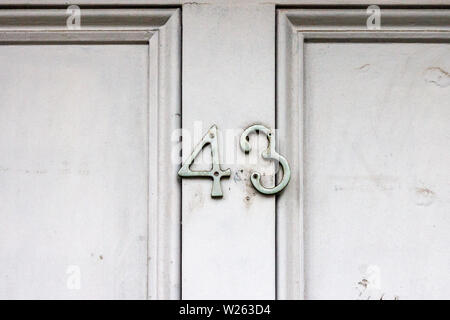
x=269, y=153
x=216, y=173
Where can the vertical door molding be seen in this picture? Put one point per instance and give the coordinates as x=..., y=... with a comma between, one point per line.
x=228, y=80
x=165, y=194
x=160, y=30
x=290, y=132
x=295, y=27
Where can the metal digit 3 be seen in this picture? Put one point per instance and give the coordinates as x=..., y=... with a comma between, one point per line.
x=269, y=153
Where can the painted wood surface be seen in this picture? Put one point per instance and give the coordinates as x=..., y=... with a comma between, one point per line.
x=377, y=196
x=89, y=186
x=73, y=182
x=84, y=133
x=228, y=80
x=372, y=154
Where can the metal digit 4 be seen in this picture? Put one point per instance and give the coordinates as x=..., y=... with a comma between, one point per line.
x=216, y=173
x=269, y=153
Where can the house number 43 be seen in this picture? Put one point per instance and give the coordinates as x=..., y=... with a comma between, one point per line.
x=216, y=172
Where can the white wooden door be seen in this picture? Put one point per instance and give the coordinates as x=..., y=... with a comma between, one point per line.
x=97, y=114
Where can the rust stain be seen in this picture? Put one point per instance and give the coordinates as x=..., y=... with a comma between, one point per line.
x=364, y=283
x=364, y=67
x=250, y=192
x=243, y=176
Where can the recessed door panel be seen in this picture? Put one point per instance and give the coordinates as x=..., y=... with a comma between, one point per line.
x=73, y=171
x=376, y=161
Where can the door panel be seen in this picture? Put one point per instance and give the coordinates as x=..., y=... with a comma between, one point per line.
x=82, y=115
x=365, y=116
x=73, y=192
x=377, y=195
